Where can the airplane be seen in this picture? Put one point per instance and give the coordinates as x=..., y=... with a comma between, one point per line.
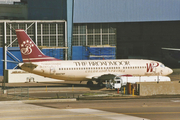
x=34, y=61
x=174, y=53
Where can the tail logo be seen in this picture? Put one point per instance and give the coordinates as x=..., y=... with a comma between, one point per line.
x=26, y=47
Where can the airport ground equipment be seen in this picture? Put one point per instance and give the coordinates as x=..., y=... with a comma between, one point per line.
x=161, y=88
x=118, y=82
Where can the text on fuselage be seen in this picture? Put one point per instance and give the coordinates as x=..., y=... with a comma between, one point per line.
x=103, y=63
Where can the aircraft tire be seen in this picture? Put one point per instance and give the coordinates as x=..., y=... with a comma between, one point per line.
x=100, y=84
x=89, y=83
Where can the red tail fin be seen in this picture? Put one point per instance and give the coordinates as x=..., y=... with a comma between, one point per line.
x=29, y=51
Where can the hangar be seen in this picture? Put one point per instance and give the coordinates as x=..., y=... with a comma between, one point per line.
x=95, y=29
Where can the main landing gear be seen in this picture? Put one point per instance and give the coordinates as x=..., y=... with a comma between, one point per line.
x=89, y=83
x=100, y=84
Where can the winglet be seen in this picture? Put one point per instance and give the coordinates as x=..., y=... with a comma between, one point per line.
x=29, y=51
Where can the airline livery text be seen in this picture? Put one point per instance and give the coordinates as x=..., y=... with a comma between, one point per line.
x=102, y=63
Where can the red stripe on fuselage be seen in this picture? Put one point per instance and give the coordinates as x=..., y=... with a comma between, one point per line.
x=40, y=60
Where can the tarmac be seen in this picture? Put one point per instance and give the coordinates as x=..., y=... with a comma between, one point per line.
x=72, y=100
x=124, y=109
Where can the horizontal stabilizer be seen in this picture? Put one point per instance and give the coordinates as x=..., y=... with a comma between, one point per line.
x=28, y=65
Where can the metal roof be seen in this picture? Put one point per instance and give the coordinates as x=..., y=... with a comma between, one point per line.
x=99, y=11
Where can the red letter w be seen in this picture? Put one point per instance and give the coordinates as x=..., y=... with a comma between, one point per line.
x=149, y=67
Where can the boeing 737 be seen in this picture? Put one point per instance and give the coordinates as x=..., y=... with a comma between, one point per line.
x=34, y=61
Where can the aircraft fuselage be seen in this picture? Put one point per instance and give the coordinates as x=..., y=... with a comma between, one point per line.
x=88, y=69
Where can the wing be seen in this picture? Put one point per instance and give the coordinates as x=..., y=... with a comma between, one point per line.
x=171, y=49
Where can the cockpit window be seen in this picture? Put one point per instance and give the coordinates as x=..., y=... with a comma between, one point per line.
x=162, y=65
x=117, y=78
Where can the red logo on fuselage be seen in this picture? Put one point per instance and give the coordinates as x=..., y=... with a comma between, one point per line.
x=150, y=66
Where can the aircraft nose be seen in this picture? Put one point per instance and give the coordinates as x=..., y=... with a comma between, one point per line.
x=170, y=71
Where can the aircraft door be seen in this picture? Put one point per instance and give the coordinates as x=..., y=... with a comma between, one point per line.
x=52, y=70
x=154, y=70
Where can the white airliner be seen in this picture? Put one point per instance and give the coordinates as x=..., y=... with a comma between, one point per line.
x=34, y=61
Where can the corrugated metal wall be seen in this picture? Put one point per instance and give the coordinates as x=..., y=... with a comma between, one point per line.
x=98, y=11
x=100, y=53
x=93, y=53
x=57, y=53
x=80, y=53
